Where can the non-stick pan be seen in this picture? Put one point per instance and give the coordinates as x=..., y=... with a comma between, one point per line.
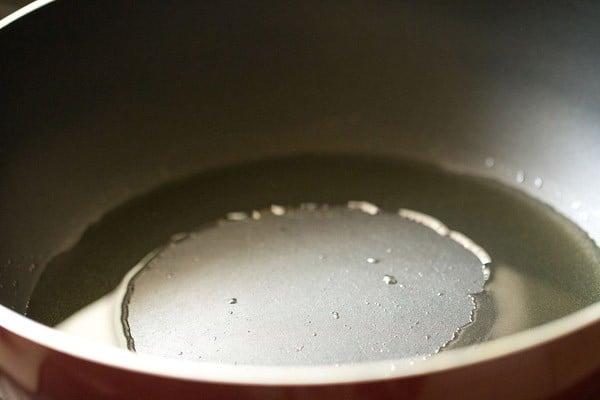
x=249, y=163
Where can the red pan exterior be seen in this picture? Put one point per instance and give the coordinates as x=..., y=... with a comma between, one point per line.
x=560, y=369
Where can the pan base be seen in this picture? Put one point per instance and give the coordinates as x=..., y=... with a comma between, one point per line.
x=544, y=266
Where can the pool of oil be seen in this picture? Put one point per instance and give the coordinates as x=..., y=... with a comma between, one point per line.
x=309, y=285
x=544, y=267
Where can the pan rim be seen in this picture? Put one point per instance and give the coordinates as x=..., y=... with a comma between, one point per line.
x=123, y=359
x=21, y=12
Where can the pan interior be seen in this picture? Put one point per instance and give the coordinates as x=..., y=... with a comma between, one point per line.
x=543, y=265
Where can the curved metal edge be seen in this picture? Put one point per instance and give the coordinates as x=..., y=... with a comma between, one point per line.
x=21, y=12
x=310, y=375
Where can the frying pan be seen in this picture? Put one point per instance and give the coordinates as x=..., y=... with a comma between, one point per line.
x=104, y=103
